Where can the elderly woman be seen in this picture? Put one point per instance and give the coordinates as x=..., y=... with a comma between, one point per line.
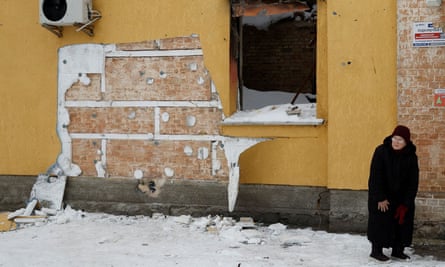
x=392, y=188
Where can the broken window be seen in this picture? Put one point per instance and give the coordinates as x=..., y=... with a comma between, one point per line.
x=273, y=45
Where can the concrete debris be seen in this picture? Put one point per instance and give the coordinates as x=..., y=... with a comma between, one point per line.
x=30, y=207
x=183, y=219
x=33, y=213
x=50, y=212
x=30, y=219
x=211, y=224
x=49, y=191
x=293, y=110
x=212, y=229
x=16, y=213
x=277, y=228
x=247, y=223
x=45, y=200
x=157, y=216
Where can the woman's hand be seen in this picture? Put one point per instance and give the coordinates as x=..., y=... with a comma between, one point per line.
x=383, y=206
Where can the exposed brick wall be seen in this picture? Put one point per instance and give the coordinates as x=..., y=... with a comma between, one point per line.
x=111, y=120
x=157, y=78
x=420, y=72
x=155, y=158
x=183, y=120
x=86, y=152
x=281, y=57
x=155, y=112
x=82, y=92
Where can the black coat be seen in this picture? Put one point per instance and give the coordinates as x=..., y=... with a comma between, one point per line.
x=394, y=176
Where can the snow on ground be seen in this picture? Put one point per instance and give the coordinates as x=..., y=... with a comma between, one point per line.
x=76, y=238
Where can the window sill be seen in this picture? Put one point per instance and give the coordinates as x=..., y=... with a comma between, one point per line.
x=286, y=114
x=273, y=121
x=315, y=122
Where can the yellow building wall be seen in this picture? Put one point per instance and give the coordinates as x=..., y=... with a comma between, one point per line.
x=28, y=64
x=356, y=78
x=362, y=86
x=356, y=95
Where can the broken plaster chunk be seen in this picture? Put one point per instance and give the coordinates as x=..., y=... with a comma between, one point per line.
x=247, y=223
x=169, y=172
x=48, y=211
x=30, y=219
x=30, y=207
x=157, y=216
x=277, y=228
x=39, y=213
x=293, y=110
x=212, y=229
x=183, y=219
x=68, y=168
x=16, y=213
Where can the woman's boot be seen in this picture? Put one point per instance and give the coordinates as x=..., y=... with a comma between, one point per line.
x=397, y=252
x=377, y=253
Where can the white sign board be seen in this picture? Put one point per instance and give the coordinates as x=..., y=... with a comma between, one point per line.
x=426, y=34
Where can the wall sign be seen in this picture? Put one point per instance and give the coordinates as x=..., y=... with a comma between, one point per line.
x=439, y=98
x=426, y=34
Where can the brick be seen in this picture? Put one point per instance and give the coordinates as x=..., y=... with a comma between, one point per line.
x=79, y=91
x=85, y=154
x=420, y=72
x=206, y=121
x=128, y=120
x=157, y=78
x=153, y=157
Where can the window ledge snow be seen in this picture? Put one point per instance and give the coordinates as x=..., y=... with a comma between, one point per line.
x=285, y=114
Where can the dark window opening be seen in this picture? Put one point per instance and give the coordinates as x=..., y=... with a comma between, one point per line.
x=274, y=44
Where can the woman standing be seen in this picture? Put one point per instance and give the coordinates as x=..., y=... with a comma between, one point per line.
x=392, y=188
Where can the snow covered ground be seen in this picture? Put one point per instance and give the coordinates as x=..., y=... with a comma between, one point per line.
x=76, y=238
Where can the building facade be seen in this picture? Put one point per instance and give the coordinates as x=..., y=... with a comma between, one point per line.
x=369, y=74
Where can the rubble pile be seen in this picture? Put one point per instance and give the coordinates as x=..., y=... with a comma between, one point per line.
x=45, y=200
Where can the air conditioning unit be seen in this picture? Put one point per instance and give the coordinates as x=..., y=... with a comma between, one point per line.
x=65, y=12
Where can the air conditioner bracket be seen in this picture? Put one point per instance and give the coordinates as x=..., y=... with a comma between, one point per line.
x=57, y=30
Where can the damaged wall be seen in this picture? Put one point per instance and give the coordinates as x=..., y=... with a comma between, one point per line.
x=145, y=109
x=281, y=57
x=28, y=88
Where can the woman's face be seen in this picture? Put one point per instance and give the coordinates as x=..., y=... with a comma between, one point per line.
x=398, y=142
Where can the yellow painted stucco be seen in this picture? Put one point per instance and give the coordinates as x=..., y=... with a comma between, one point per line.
x=356, y=78
x=356, y=95
x=28, y=64
x=361, y=86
